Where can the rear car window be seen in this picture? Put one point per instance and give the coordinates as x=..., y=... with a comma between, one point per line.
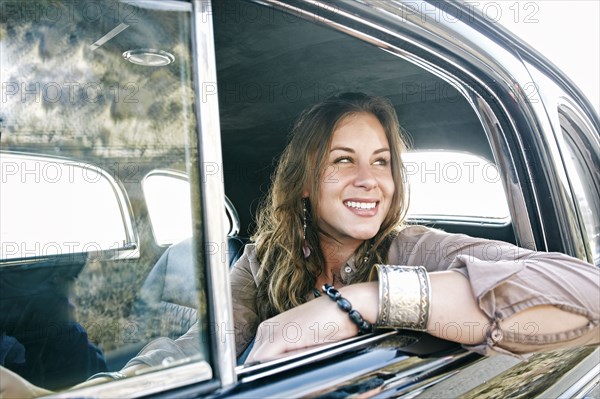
x=451, y=185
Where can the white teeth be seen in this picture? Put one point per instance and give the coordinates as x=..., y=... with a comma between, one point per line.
x=360, y=205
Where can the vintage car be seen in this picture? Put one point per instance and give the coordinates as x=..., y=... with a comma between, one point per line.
x=138, y=138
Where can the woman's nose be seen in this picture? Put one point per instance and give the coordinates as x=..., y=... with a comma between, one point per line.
x=365, y=178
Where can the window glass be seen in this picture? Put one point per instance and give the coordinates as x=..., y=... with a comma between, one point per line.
x=454, y=185
x=95, y=95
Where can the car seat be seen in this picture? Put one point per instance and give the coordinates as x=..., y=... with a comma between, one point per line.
x=169, y=298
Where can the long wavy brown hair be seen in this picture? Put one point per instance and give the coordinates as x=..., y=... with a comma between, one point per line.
x=285, y=277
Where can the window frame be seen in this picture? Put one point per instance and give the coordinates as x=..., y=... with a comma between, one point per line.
x=200, y=376
x=493, y=105
x=573, y=126
x=219, y=305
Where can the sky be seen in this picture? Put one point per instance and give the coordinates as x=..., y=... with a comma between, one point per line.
x=566, y=32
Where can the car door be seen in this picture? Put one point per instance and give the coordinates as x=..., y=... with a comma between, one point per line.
x=207, y=91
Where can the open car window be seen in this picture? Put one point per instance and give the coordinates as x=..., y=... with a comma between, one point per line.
x=95, y=96
x=271, y=65
x=454, y=182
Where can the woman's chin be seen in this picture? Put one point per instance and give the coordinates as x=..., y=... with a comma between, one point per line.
x=364, y=234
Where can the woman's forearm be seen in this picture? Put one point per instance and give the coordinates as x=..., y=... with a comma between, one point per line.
x=456, y=316
x=453, y=315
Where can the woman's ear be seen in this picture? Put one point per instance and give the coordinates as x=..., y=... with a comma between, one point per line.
x=305, y=194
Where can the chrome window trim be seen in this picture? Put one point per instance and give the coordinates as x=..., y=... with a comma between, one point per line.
x=427, y=371
x=219, y=307
x=519, y=213
x=567, y=109
x=253, y=372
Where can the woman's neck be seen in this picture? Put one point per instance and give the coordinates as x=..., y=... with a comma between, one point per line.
x=336, y=256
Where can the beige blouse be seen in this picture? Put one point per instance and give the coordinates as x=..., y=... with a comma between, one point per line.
x=505, y=279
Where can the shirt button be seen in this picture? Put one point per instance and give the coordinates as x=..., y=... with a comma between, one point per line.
x=496, y=335
x=348, y=269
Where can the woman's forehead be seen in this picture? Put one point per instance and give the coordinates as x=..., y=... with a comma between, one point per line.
x=359, y=131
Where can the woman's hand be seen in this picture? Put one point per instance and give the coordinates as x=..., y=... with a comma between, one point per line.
x=14, y=386
x=316, y=322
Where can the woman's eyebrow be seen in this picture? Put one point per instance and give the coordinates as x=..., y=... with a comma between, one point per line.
x=385, y=149
x=348, y=149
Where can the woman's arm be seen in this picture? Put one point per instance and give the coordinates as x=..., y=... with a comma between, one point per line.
x=454, y=315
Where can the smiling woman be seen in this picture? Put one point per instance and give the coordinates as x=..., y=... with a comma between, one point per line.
x=350, y=213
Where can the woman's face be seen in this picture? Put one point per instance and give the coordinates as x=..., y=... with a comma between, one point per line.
x=356, y=187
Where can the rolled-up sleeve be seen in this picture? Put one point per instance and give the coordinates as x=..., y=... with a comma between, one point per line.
x=505, y=280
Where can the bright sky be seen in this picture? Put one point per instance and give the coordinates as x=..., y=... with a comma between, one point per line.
x=566, y=32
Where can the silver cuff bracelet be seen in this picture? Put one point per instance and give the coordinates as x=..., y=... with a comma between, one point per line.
x=404, y=297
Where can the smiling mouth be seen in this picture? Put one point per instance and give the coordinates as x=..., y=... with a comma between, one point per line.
x=361, y=205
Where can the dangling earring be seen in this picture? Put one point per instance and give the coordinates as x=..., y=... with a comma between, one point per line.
x=367, y=255
x=305, y=247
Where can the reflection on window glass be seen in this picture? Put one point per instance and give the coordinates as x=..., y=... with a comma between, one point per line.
x=95, y=95
x=454, y=185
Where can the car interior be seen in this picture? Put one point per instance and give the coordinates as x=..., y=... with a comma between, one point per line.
x=270, y=66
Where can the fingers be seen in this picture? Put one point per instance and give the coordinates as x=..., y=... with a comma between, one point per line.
x=314, y=323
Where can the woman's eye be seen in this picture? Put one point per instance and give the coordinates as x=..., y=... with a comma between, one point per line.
x=343, y=160
x=381, y=161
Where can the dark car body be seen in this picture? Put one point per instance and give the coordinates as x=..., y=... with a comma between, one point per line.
x=235, y=76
